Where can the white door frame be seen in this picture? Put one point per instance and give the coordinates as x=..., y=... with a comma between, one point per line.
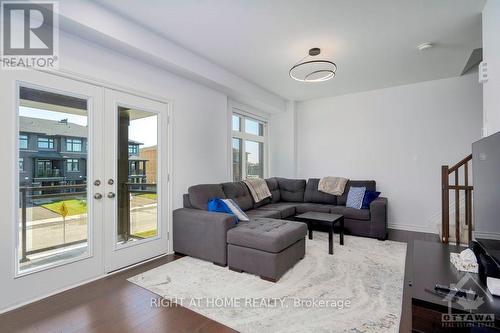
x=120, y=255
x=22, y=290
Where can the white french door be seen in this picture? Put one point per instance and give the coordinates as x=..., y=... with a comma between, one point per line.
x=89, y=191
x=52, y=227
x=136, y=184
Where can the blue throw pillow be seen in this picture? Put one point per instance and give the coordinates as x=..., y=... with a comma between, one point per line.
x=219, y=206
x=369, y=197
x=355, y=197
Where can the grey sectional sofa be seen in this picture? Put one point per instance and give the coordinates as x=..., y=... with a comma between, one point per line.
x=202, y=234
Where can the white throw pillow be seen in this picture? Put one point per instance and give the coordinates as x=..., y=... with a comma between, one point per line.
x=240, y=214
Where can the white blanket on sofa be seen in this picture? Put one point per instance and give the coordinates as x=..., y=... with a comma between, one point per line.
x=258, y=188
x=332, y=185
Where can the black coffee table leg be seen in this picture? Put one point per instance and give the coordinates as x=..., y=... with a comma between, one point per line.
x=309, y=227
x=342, y=231
x=330, y=240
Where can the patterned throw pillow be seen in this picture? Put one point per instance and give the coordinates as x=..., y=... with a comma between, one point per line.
x=355, y=197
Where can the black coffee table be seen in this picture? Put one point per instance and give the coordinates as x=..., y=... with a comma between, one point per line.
x=312, y=218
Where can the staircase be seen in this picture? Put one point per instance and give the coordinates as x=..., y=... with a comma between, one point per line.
x=460, y=209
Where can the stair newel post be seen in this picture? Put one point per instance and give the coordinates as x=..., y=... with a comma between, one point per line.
x=457, y=208
x=445, y=203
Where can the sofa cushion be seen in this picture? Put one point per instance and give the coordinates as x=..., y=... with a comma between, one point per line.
x=268, y=235
x=313, y=207
x=255, y=213
x=313, y=195
x=352, y=213
x=369, y=184
x=238, y=191
x=272, y=183
x=292, y=190
x=285, y=209
x=200, y=194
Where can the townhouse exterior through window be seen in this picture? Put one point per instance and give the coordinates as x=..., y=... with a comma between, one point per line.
x=56, y=159
x=249, y=140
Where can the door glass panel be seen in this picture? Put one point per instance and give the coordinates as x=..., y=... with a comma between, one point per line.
x=137, y=198
x=53, y=222
x=254, y=158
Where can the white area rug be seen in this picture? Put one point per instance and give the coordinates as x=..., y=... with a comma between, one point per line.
x=361, y=288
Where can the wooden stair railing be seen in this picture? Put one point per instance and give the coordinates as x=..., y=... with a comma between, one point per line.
x=446, y=187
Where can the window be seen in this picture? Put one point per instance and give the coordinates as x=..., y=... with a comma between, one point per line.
x=73, y=145
x=133, y=149
x=46, y=143
x=43, y=118
x=248, y=147
x=72, y=164
x=237, y=158
x=23, y=141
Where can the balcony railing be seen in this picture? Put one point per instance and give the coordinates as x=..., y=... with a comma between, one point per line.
x=31, y=197
x=27, y=197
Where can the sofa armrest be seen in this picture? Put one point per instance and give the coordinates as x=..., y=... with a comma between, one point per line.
x=202, y=234
x=378, y=213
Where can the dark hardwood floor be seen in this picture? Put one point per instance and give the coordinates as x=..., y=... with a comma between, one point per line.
x=113, y=304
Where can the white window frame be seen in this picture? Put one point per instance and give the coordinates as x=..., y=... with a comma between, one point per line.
x=238, y=111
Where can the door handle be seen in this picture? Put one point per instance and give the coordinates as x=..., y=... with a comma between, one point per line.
x=111, y=195
x=98, y=196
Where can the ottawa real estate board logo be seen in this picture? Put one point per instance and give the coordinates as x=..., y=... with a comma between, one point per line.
x=30, y=34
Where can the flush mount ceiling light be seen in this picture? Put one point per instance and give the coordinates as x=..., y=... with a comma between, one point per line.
x=313, y=70
x=424, y=46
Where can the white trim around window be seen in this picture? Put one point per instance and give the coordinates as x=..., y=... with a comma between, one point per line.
x=252, y=143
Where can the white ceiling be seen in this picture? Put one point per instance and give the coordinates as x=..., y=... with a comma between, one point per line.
x=373, y=42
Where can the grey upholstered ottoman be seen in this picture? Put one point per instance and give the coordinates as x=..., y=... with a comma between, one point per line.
x=266, y=247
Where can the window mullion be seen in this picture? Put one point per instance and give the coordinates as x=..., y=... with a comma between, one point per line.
x=243, y=160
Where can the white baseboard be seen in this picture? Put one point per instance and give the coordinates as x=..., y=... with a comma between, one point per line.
x=487, y=235
x=409, y=227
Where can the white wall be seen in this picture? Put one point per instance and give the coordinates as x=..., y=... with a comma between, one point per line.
x=398, y=136
x=282, y=143
x=491, y=55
